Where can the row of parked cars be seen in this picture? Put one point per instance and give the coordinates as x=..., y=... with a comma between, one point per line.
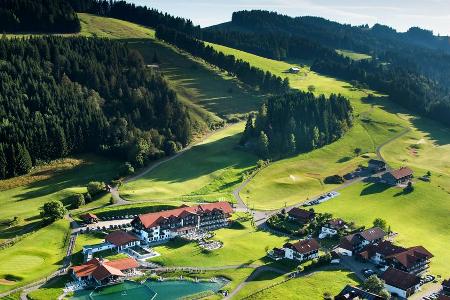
x=322, y=198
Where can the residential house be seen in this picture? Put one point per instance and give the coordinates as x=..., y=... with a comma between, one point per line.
x=354, y=243
x=102, y=271
x=354, y=293
x=332, y=228
x=399, y=176
x=413, y=260
x=301, y=216
x=89, y=218
x=377, y=165
x=302, y=250
x=165, y=225
x=399, y=283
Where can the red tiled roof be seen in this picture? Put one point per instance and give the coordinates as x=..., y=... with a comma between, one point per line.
x=101, y=269
x=299, y=213
x=152, y=219
x=385, y=248
x=400, y=279
x=88, y=216
x=304, y=246
x=120, y=238
x=410, y=256
x=401, y=173
x=372, y=234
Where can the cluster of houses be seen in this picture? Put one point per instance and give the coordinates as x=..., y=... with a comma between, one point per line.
x=147, y=229
x=402, y=266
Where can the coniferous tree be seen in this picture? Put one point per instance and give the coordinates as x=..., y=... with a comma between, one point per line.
x=23, y=162
x=263, y=145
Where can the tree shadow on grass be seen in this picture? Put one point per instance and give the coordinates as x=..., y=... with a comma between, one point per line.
x=374, y=188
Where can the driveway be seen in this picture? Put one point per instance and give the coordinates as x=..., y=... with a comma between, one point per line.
x=102, y=224
x=356, y=266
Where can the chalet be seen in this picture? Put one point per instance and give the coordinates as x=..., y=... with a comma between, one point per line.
x=446, y=286
x=102, y=271
x=294, y=70
x=400, y=283
x=89, y=218
x=399, y=176
x=354, y=243
x=302, y=250
x=165, y=225
x=301, y=216
x=354, y=293
x=332, y=228
x=414, y=260
x=377, y=165
x=118, y=240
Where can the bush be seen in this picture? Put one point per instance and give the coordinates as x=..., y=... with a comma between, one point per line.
x=52, y=211
x=87, y=198
x=126, y=169
x=77, y=200
x=95, y=187
x=334, y=179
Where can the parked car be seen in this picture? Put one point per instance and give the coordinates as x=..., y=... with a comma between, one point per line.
x=368, y=272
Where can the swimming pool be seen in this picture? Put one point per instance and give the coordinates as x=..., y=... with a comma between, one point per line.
x=150, y=290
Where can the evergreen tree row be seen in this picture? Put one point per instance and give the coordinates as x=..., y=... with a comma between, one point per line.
x=297, y=122
x=60, y=96
x=255, y=77
x=38, y=16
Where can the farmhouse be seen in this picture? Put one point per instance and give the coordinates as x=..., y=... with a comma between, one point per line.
x=331, y=228
x=354, y=243
x=354, y=293
x=300, y=215
x=414, y=260
x=118, y=240
x=165, y=225
x=302, y=250
x=102, y=271
x=89, y=218
x=294, y=70
x=400, y=283
x=399, y=176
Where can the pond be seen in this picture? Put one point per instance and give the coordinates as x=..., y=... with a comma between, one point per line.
x=150, y=290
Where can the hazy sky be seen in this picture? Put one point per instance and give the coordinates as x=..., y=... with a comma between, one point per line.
x=400, y=14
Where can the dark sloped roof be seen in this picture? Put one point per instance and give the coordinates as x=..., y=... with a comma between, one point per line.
x=400, y=279
x=304, y=246
x=372, y=234
x=410, y=256
x=301, y=213
x=351, y=292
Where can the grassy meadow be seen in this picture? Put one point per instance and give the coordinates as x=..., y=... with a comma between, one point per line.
x=353, y=55
x=239, y=247
x=34, y=257
x=309, y=287
x=208, y=171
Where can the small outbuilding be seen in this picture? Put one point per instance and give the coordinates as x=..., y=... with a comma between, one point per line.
x=294, y=70
x=89, y=218
x=399, y=176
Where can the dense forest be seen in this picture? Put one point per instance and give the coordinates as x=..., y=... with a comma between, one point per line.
x=48, y=16
x=60, y=96
x=413, y=68
x=257, y=78
x=297, y=122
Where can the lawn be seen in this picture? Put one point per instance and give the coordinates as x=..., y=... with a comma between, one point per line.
x=95, y=26
x=51, y=290
x=208, y=171
x=242, y=244
x=310, y=287
x=23, y=196
x=353, y=55
x=420, y=218
x=35, y=256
